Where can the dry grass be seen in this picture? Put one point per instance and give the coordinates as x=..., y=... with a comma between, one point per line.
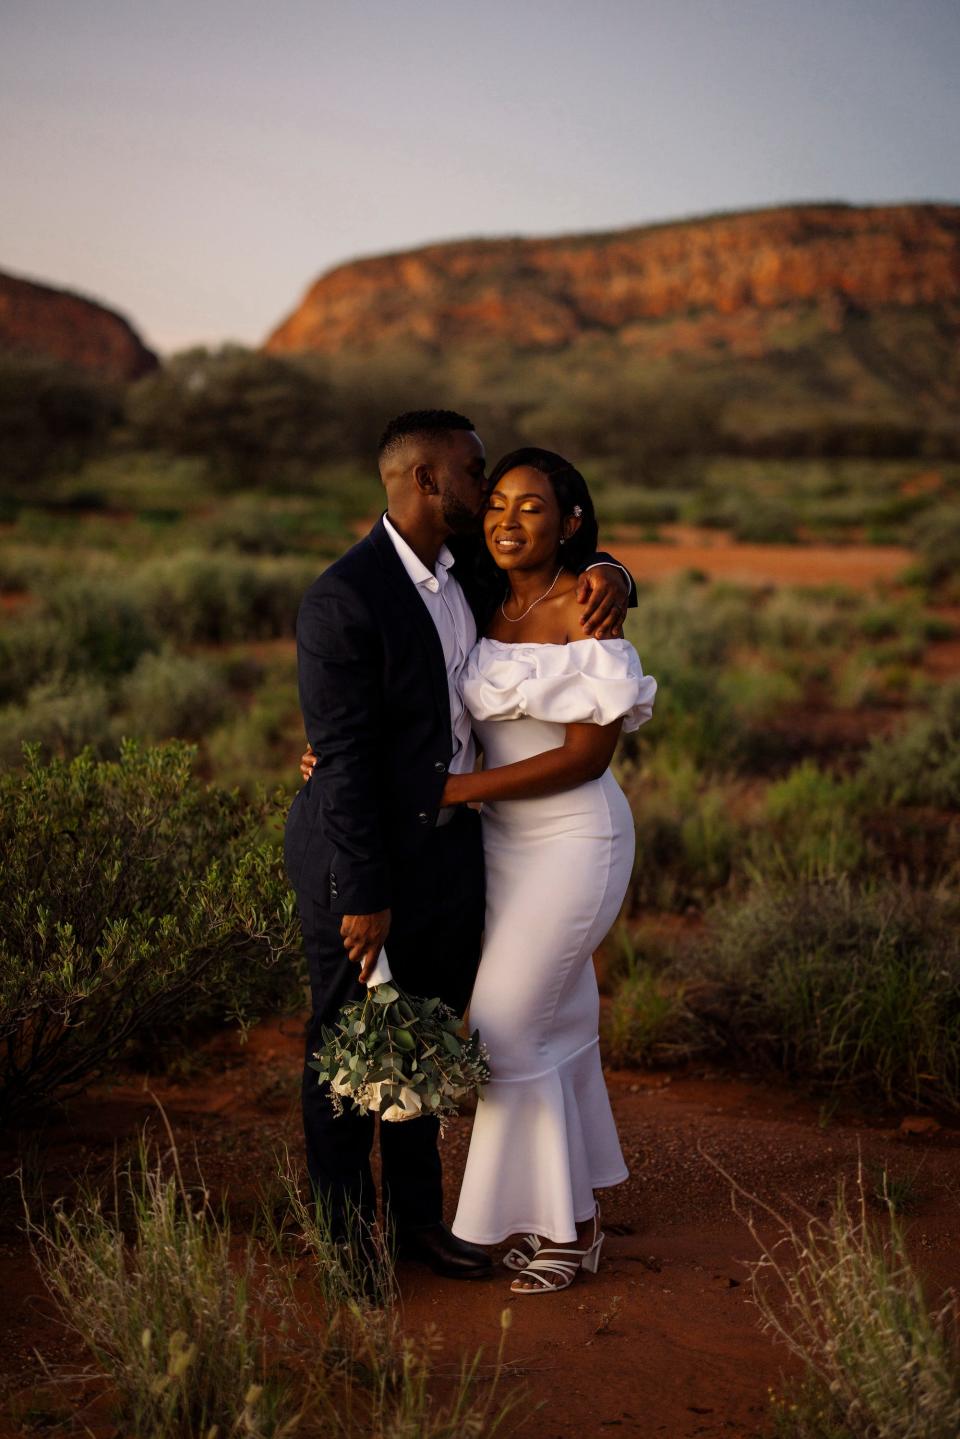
x=841, y=1293
x=197, y=1333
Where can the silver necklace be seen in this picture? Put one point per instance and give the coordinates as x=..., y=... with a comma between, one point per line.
x=510, y=620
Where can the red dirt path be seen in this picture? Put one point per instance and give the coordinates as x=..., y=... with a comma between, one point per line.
x=720, y=556
x=661, y=1342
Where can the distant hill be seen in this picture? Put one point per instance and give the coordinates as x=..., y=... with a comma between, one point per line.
x=39, y=320
x=796, y=315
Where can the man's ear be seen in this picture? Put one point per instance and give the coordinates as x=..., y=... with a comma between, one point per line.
x=423, y=478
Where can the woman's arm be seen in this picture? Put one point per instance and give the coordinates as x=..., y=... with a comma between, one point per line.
x=586, y=752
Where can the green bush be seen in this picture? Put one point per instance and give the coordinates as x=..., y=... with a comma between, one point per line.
x=688, y=837
x=920, y=764
x=648, y=1021
x=936, y=537
x=251, y=416
x=764, y=520
x=60, y=717
x=51, y=415
x=102, y=626
x=835, y=982
x=90, y=625
x=136, y=900
x=213, y=598
x=170, y=695
x=812, y=826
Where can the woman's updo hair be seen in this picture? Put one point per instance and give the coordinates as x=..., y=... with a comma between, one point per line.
x=569, y=487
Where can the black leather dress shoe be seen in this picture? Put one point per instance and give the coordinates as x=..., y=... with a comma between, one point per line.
x=434, y=1245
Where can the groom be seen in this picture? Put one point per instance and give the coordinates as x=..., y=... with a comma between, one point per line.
x=382, y=637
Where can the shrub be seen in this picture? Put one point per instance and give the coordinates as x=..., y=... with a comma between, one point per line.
x=795, y=619
x=102, y=625
x=813, y=826
x=936, y=536
x=195, y=597
x=687, y=835
x=848, y=1304
x=170, y=695
x=135, y=899
x=648, y=1021
x=763, y=520
x=33, y=650
x=89, y=624
x=921, y=764
x=61, y=717
x=50, y=415
x=248, y=414
x=838, y=983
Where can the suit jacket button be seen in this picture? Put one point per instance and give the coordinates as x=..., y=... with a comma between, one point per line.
x=440, y=767
x=423, y=817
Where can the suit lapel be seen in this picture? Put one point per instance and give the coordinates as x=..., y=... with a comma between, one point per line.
x=416, y=613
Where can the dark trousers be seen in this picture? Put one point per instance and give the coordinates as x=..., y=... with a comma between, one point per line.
x=434, y=950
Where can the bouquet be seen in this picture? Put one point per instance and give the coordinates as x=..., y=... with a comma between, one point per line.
x=399, y=1055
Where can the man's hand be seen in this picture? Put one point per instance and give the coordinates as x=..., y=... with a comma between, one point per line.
x=364, y=935
x=307, y=761
x=603, y=591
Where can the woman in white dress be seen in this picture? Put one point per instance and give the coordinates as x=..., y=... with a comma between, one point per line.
x=548, y=707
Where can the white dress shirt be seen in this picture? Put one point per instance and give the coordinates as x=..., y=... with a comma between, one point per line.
x=447, y=607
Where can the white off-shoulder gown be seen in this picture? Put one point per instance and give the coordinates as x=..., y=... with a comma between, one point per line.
x=557, y=872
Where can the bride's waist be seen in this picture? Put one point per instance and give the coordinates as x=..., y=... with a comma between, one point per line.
x=597, y=799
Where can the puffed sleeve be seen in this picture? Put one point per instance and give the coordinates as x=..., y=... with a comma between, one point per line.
x=584, y=682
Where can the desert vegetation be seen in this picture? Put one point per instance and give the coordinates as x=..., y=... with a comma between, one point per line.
x=793, y=913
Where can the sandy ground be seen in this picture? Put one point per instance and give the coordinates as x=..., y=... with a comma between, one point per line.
x=716, y=554
x=662, y=1341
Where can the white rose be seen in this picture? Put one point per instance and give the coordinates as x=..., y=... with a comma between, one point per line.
x=409, y=1105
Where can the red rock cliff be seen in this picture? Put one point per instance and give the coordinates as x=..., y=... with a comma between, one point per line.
x=670, y=287
x=40, y=320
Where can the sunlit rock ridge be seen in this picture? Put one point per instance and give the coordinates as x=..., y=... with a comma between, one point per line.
x=667, y=288
x=40, y=320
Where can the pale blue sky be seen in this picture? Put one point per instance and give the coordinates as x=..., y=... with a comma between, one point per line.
x=196, y=163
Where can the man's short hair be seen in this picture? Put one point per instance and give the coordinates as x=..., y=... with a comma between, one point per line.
x=420, y=422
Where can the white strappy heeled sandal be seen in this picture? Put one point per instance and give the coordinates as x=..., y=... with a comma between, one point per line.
x=516, y=1258
x=554, y=1268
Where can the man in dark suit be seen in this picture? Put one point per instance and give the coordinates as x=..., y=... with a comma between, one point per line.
x=381, y=638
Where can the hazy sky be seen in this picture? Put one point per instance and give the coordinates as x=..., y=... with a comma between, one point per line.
x=196, y=163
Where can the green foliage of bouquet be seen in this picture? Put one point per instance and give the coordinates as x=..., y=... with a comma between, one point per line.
x=400, y=1056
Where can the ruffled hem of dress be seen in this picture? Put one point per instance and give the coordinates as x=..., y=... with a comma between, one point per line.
x=530, y=1227
x=570, y=1148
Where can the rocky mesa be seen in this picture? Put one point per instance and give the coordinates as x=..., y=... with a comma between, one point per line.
x=39, y=320
x=688, y=286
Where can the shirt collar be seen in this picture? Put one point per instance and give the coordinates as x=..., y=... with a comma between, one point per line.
x=412, y=563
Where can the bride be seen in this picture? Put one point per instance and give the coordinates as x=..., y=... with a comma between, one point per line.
x=548, y=707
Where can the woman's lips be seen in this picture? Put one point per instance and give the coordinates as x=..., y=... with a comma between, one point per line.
x=508, y=546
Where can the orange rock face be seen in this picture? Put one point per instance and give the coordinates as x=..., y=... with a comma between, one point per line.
x=710, y=274
x=39, y=320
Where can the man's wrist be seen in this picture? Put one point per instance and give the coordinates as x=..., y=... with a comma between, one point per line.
x=613, y=565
